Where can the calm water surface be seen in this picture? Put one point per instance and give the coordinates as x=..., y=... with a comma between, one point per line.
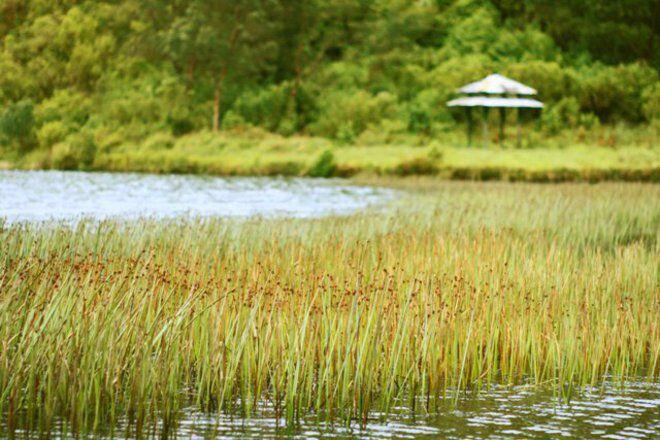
x=66, y=196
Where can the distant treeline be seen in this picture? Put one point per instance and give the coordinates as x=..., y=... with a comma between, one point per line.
x=79, y=76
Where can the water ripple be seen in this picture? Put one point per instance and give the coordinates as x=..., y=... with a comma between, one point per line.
x=66, y=196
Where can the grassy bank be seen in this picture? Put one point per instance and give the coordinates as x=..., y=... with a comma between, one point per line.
x=457, y=285
x=255, y=152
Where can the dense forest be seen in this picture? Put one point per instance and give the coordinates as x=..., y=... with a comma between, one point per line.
x=78, y=77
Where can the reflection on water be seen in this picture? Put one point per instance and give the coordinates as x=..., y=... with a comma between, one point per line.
x=608, y=412
x=57, y=195
x=520, y=412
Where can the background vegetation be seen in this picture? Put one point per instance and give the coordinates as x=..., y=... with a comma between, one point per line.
x=83, y=83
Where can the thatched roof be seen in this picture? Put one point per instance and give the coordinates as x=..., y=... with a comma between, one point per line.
x=497, y=84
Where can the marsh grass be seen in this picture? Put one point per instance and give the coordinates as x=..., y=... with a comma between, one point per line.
x=455, y=286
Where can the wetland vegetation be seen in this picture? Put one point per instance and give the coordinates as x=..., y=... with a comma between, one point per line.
x=456, y=286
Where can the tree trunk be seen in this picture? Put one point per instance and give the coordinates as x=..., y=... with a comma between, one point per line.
x=217, y=94
x=190, y=70
x=293, y=96
x=216, y=108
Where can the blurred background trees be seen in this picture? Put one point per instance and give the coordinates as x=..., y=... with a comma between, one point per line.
x=81, y=76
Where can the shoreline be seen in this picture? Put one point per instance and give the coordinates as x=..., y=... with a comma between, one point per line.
x=414, y=168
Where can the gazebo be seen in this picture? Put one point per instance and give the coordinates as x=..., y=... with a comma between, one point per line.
x=495, y=91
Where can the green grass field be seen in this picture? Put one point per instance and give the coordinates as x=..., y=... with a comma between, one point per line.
x=254, y=152
x=233, y=155
x=451, y=286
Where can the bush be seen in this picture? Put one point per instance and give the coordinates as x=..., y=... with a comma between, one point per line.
x=63, y=157
x=558, y=175
x=651, y=102
x=52, y=133
x=344, y=114
x=563, y=114
x=552, y=81
x=70, y=107
x=288, y=168
x=159, y=141
x=17, y=124
x=421, y=166
x=615, y=93
x=232, y=120
x=76, y=152
x=324, y=165
x=346, y=171
x=179, y=123
x=436, y=155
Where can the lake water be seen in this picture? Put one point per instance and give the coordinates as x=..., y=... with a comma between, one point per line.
x=502, y=413
x=520, y=412
x=65, y=196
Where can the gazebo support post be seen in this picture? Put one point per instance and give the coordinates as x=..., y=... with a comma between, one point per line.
x=502, y=122
x=468, y=111
x=497, y=92
x=485, y=121
x=519, y=128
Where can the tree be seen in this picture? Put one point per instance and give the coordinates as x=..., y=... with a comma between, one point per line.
x=221, y=41
x=17, y=124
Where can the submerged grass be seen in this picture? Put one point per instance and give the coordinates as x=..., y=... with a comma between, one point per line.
x=457, y=285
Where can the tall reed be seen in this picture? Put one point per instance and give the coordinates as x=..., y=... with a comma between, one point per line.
x=454, y=286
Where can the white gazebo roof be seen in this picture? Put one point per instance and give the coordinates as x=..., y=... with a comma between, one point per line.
x=497, y=84
x=487, y=101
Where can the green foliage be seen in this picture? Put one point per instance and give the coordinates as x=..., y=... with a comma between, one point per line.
x=17, y=124
x=287, y=168
x=614, y=93
x=651, y=102
x=179, y=121
x=565, y=113
x=75, y=152
x=345, y=115
x=371, y=71
x=421, y=166
x=51, y=133
x=324, y=166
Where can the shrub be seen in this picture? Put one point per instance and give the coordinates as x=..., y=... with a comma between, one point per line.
x=346, y=170
x=52, y=133
x=490, y=173
x=288, y=168
x=552, y=81
x=558, y=175
x=651, y=102
x=76, y=152
x=344, y=114
x=435, y=155
x=421, y=166
x=159, y=141
x=232, y=120
x=63, y=157
x=324, y=166
x=17, y=124
x=70, y=107
x=563, y=114
x=179, y=123
x=615, y=93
